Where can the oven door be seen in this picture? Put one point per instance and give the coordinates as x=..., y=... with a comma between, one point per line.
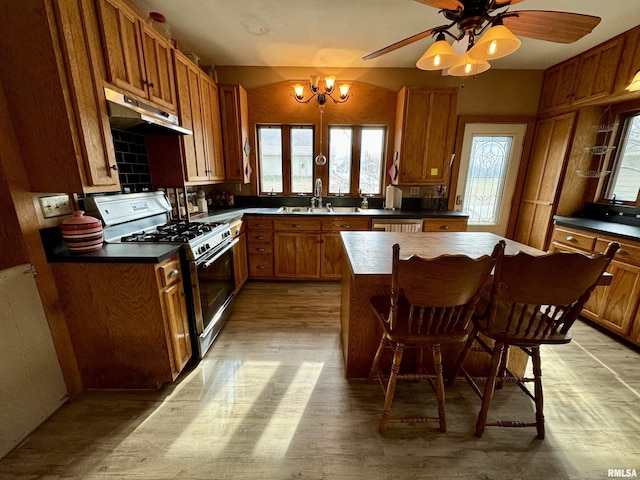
x=213, y=284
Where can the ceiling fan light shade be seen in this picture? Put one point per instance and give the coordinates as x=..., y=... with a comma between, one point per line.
x=498, y=42
x=438, y=56
x=634, y=86
x=467, y=66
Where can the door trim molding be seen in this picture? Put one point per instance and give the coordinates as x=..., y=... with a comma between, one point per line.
x=463, y=120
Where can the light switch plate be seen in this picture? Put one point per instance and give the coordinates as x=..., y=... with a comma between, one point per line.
x=55, y=205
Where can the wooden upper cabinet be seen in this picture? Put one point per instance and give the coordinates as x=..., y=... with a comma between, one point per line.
x=64, y=137
x=598, y=68
x=425, y=126
x=558, y=86
x=235, y=132
x=137, y=58
x=211, y=128
x=629, y=61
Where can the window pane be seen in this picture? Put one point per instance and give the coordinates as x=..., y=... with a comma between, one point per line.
x=625, y=179
x=371, y=160
x=485, y=181
x=340, y=160
x=302, y=160
x=270, y=159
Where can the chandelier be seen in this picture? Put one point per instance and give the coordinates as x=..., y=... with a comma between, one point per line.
x=328, y=91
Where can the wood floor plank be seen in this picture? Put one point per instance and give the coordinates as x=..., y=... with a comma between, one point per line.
x=270, y=401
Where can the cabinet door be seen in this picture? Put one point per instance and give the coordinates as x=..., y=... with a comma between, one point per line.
x=597, y=71
x=617, y=306
x=159, y=69
x=176, y=312
x=211, y=128
x=425, y=137
x=542, y=184
x=235, y=131
x=188, y=86
x=629, y=61
x=331, y=256
x=122, y=46
x=240, y=264
x=296, y=255
x=558, y=86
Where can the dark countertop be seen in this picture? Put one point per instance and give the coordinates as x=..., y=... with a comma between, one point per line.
x=600, y=226
x=229, y=215
x=157, y=252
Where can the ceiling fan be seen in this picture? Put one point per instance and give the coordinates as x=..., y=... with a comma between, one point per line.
x=495, y=26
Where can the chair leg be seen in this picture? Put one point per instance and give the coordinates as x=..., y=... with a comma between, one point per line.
x=537, y=374
x=391, y=387
x=496, y=358
x=376, y=358
x=437, y=365
x=462, y=357
x=503, y=367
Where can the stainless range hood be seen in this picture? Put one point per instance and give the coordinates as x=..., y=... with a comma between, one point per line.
x=127, y=113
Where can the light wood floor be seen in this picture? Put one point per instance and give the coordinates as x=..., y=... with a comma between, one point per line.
x=270, y=402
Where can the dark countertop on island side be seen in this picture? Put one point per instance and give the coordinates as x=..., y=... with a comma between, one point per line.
x=629, y=232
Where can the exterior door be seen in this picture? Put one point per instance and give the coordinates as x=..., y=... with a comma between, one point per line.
x=489, y=165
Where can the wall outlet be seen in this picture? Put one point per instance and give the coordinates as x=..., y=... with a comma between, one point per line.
x=414, y=191
x=55, y=205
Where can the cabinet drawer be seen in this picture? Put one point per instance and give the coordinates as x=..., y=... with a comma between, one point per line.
x=169, y=272
x=260, y=248
x=296, y=224
x=260, y=265
x=338, y=224
x=259, y=223
x=573, y=238
x=444, y=225
x=627, y=253
x=237, y=227
x=259, y=238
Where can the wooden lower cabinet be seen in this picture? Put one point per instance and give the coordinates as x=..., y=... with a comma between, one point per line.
x=331, y=243
x=240, y=261
x=128, y=322
x=296, y=255
x=615, y=306
x=260, y=246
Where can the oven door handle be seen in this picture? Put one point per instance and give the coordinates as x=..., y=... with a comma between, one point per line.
x=211, y=261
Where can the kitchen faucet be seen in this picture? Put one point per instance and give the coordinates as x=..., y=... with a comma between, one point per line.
x=318, y=192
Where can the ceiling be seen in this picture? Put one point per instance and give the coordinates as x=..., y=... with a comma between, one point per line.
x=338, y=33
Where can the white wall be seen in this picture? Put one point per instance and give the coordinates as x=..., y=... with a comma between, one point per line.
x=31, y=383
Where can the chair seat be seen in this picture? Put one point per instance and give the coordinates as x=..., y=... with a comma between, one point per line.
x=427, y=335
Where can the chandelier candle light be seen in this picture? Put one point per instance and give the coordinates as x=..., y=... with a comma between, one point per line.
x=325, y=94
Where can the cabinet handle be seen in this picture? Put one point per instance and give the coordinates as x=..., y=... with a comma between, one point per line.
x=345, y=226
x=261, y=267
x=296, y=225
x=444, y=227
x=260, y=249
x=621, y=251
x=173, y=273
x=114, y=167
x=571, y=239
x=259, y=225
x=259, y=237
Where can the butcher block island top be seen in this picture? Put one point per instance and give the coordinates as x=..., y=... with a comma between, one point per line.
x=367, y=272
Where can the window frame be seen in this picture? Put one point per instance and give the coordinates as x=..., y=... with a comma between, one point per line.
x=623, y=119
x=322, y=172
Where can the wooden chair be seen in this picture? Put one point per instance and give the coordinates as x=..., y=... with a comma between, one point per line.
x=533, y=301
x=431, y=303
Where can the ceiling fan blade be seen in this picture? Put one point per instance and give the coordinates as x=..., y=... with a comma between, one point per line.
x=559, y=27
x=443, y=4
x=402, y=43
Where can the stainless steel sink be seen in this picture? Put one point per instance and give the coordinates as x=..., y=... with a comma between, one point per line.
x=294, y=209
x=346, y=209
x=289, y=209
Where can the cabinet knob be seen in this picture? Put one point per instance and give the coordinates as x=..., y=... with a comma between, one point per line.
x=571, y=239
x=114, y=167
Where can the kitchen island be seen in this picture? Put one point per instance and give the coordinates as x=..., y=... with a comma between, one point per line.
x=367, y=271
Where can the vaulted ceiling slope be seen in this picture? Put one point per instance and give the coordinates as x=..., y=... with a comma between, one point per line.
x=338, y=33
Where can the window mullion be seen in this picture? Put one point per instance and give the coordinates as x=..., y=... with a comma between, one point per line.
x=356, y=151
x=286, y=159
